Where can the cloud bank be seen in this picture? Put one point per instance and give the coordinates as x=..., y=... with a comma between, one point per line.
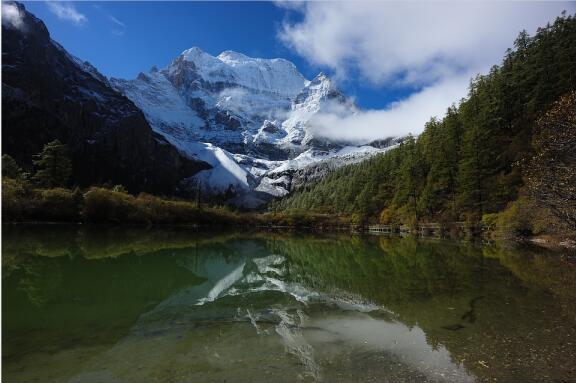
x=437, y=47
x=66, y=11
x=399, y=119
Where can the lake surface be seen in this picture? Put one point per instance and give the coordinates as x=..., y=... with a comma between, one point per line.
x=87, y=304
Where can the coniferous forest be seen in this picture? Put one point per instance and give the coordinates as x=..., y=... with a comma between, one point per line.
x=478, y=159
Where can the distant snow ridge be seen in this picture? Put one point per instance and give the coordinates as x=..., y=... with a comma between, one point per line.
x=249, y=118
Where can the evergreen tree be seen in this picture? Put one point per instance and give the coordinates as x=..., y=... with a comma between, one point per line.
x=53, y=166
x=411, y=174
x=10, y=168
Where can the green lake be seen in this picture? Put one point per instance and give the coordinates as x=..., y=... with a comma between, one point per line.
x=82, y=304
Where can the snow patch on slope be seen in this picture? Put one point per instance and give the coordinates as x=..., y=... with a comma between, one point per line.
x=225, y=172
x=347, y=154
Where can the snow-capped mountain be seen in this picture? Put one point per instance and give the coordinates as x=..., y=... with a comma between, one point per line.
x=232, y=124
x=246, y=117
x=241, y=104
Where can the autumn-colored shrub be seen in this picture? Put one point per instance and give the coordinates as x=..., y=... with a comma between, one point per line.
x=390, y=216
x=516, y=221
x=15, y=199
x=106, y=206
x=58, y=205
x=152, y=209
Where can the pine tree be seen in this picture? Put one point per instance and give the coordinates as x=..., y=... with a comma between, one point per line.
x=441, y=151
x=10, y=168
x=53, y=166
x=411, y=175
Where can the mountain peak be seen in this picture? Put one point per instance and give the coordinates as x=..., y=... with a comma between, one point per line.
x=193, y=51
x=196, y=54
x=323, y=84
x=322, y=78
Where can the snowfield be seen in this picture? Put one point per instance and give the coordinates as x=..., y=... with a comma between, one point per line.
x=225, y=173
x=347, y=154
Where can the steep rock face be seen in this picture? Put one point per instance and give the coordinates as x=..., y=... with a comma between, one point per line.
x=49, y=94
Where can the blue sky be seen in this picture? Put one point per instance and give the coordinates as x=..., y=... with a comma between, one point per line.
x=403, y=62
x=124, y=38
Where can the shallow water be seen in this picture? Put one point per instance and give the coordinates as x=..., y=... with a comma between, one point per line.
x=130, y=305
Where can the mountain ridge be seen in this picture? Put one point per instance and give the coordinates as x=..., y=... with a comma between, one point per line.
x=49, y=94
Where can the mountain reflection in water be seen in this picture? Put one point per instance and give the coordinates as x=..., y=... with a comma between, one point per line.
x=89, y=305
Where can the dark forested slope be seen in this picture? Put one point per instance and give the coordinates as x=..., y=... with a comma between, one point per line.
x=47, y=94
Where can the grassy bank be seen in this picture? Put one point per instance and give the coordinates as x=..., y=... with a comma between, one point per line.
x=22, y=202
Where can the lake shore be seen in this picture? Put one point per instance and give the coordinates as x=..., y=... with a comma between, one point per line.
x=546, y=242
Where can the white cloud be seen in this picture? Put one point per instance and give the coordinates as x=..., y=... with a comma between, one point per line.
x=12, y=16
x=428, y=44
x=66, y=11
x=398, y=120
x=416, y=41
